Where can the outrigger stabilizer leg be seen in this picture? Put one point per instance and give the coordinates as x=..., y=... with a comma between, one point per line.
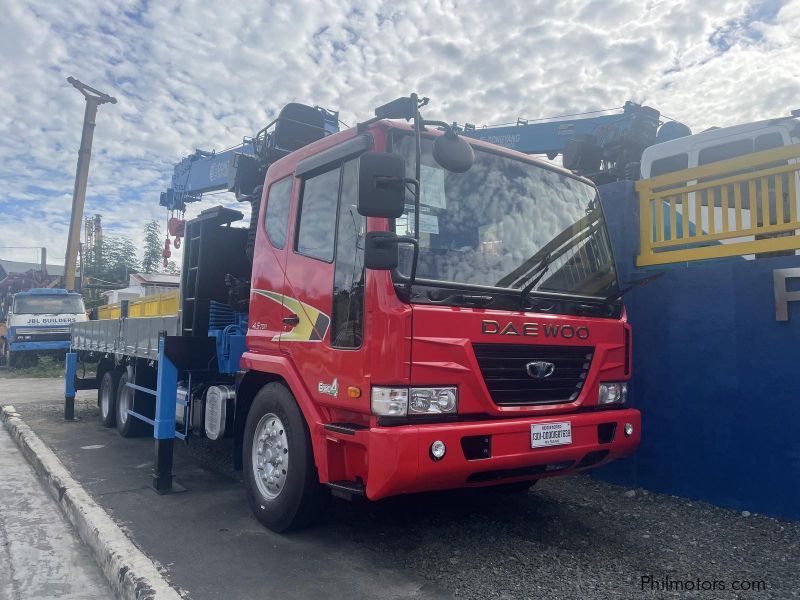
x=70, y=371
x=164, y=424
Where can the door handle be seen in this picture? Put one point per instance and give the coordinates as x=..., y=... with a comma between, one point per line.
x=292, y=320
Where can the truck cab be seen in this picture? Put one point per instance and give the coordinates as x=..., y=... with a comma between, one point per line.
x=39, y=320
x=496, y=352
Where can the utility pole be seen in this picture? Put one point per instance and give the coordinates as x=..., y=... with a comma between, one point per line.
x=94, y=98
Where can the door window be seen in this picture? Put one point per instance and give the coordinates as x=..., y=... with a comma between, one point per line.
x=347, y=318
x=277, y=215
x=317, y=222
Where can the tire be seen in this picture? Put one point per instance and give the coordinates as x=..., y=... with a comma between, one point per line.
x=107, y=397
x=281, y=478
x=126, y=425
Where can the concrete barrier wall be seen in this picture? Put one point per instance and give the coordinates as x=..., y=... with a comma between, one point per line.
x=716, y=376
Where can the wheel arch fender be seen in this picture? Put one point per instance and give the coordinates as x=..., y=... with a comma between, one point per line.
x=258, y=372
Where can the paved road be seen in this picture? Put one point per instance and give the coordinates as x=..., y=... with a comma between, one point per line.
x=40, y=555
x=23, y=390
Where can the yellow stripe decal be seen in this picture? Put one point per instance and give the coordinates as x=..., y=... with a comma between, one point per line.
x=313, y=323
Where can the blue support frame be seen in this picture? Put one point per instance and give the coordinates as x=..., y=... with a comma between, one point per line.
x=70, y=371
x=166, y=396
x=164, y=423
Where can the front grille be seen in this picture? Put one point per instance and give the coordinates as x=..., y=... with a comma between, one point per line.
x=504, y=370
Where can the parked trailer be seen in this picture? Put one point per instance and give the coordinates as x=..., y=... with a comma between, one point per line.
x=407, y=312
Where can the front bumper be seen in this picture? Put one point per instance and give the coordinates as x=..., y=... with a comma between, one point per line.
x=38, y=346
x=399, y=461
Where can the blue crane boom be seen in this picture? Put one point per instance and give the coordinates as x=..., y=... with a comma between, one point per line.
x=237, y=169
x=604, y=147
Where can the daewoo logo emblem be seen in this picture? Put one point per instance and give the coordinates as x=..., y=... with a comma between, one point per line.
x=534, y=329
x=540, y=369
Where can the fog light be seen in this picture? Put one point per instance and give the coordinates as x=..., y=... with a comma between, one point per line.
x=628, y=429
x=437, y=450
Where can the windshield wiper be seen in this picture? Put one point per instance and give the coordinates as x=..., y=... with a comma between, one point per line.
x=634, y=284
x=465, y=299
x=536, y=274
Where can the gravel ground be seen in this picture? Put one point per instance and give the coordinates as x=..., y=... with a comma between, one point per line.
x=570, y=537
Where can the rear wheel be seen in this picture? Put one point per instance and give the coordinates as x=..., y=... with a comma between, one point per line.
x=127, y=425
x=282, y=482
x=107, y=397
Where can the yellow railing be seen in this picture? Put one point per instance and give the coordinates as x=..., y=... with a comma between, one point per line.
x=744, y=205
x=148, y=306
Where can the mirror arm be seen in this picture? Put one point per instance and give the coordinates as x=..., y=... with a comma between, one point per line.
x=447, y=127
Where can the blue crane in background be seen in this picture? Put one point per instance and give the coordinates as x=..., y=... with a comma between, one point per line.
x=236, y=169
x=604, y=148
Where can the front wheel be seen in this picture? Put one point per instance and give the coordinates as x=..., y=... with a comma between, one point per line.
x=11, y=359
x=283, y=487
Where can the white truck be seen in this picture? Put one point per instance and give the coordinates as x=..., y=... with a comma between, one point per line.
x=40, y=321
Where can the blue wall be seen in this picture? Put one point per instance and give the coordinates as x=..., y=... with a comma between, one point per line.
x=716, y=377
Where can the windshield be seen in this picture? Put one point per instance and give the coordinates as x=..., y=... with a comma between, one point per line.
x=48, y=305
x=506, y=223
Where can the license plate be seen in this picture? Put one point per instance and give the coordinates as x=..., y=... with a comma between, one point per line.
x=551, y=434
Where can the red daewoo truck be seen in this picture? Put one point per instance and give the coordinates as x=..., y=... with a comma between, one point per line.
x=409, y=311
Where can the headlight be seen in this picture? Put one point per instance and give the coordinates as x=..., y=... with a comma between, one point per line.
x=612, y=393
x=426, y=401
x=398, y=402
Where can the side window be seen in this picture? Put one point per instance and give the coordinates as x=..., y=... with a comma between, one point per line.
x=725, y=151
x=768, y=141
x=277, y=213
x=317, y=223
x=669, y=164
x=347, y=318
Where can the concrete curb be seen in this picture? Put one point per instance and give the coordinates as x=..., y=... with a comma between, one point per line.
x=131, y=574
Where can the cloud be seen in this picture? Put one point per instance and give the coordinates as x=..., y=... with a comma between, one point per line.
x=205, y=74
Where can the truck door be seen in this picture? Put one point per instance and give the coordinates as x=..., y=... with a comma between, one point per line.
x=325, y=287
x=269, y=262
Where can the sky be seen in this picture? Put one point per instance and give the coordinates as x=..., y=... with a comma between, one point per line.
x=204, y=74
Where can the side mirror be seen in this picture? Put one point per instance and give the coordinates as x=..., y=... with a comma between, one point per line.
x=381, y=185
x=380, y=250
x=453, y=153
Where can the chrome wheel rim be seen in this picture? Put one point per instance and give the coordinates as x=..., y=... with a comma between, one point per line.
x=105, y=397
x=123, y=402
x=270, y=456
